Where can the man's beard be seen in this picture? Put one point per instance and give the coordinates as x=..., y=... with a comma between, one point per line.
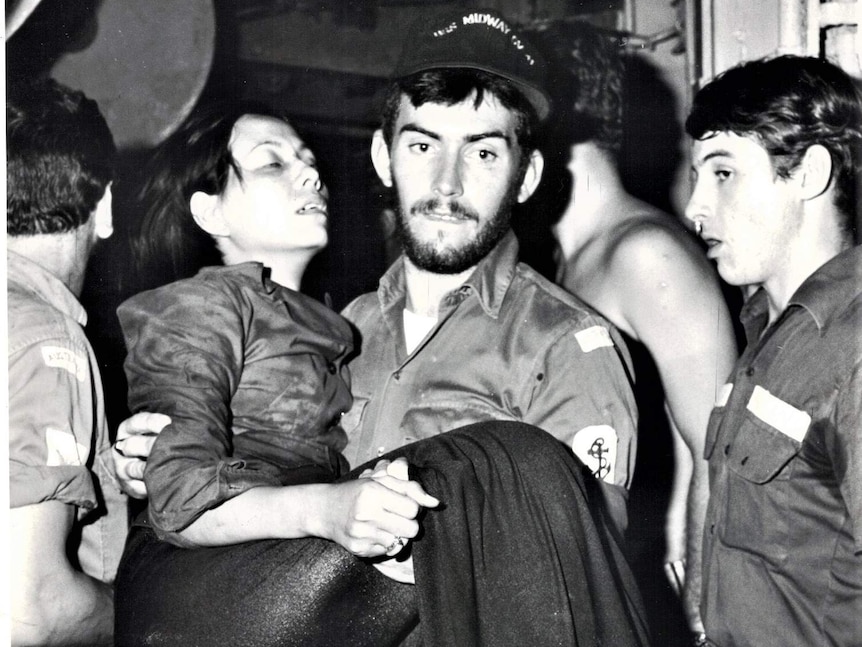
x=454, y=260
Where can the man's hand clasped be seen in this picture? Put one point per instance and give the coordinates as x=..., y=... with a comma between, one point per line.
x=135, y=438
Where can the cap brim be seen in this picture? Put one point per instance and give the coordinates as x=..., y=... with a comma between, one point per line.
x=539, y=100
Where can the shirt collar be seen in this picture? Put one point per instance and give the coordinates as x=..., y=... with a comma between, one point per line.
x=755, y=315
x=824, y=294
x=494, y=275
x=35, y=278
x=490, y=281
x=253, y=270
x=828, y=291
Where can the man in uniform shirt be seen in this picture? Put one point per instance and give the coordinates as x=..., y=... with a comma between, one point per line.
x=459, y=331
x=774, y=200
x=63, y=495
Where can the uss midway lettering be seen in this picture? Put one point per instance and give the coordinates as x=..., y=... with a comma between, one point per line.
x=486, y=19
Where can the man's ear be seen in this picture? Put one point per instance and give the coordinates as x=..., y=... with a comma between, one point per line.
x=380, y=158
x=815, y=171
x=104, y=215
x=532, y=176
x=207, y=215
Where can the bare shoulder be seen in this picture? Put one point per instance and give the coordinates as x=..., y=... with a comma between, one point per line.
x=655, y=247
x=659, y=274
x=653, y=239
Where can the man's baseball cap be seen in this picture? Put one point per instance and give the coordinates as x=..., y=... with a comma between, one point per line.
x=480, y=39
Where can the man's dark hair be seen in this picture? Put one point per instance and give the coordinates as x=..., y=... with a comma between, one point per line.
x=451, y=86
x=588, y=69
x=788, y=104
x=60, y=158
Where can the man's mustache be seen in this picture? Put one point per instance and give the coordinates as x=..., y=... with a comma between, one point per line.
x=454, y=207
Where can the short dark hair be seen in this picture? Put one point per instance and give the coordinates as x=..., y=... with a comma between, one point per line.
x=451, y=86
x=60, y=158
x=788, y=103
x=588, y=69
x=196, y=157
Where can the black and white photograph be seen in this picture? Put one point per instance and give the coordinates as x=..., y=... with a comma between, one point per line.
x=432, y=323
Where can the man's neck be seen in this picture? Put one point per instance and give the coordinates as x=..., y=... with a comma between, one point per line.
x=63, y=255
x=426, y=289
x=596, y=184
x=818, y=239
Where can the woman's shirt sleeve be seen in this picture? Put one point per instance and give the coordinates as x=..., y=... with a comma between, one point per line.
x=185, y=359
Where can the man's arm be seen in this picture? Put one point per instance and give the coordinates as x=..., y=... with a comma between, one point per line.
x=583, y=398
x=669, y=299
x=52, y=603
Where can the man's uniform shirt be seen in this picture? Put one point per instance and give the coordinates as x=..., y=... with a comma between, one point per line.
x=58, y=439
x=783, y=539
x=508, y=345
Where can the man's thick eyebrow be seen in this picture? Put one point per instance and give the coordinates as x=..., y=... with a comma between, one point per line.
x=413, y=128
x=492, y=134
x=470, y=138
x=711, y=155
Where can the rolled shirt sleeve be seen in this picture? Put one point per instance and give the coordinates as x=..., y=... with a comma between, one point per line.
x=185, y=360
x=253, y=377
x=51, y=424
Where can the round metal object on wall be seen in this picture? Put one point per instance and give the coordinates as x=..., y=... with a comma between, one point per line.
x=146, y=66
x=17, y=12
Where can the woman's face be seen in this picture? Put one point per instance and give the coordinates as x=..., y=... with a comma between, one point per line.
x=279, y=203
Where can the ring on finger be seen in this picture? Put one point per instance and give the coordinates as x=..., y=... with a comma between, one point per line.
x=398, y=541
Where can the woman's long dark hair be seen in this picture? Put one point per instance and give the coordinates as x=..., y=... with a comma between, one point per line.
x=169, y=245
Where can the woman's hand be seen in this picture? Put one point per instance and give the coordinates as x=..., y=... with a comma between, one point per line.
x=375, y=515
x=395, y=567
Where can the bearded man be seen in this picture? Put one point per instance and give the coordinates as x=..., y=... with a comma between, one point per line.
x=458, y=331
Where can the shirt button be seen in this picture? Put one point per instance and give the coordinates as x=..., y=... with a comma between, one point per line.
x=726, y=450
x=396, y=375
x=749, y=371
x=331, y=368
x=381, y=451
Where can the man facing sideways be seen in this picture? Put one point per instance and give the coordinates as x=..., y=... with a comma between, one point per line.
x=68, y=518
x=774, y=157
x=643, y=270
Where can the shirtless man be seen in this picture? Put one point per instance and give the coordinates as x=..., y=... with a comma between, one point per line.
x=641, y=269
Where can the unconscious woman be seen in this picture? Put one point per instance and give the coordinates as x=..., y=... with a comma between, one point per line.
x=255, y=531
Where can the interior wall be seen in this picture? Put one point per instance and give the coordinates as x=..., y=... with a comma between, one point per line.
x=670, y=64
x=659, y=155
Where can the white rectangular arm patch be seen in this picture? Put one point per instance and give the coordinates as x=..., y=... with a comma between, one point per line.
x=786, y=418
x=593, y=338
x=63, y=358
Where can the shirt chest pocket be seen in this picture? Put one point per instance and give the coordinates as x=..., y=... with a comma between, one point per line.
x=770, y=435
x=759, y=453
x=758, y=490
